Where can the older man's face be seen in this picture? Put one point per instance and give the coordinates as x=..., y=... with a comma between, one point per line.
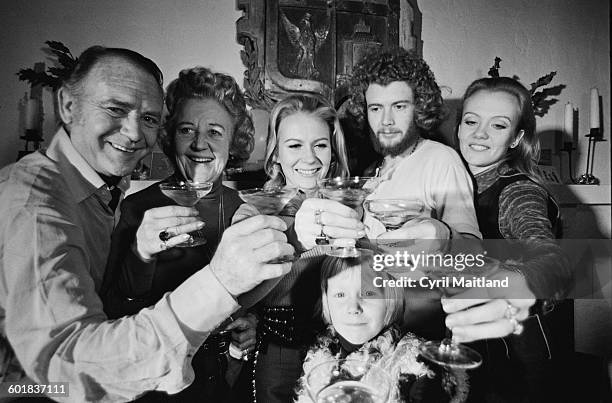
x=115, y=118
x=391, y=117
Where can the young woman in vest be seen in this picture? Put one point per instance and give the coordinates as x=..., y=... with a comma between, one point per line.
x=519, y=221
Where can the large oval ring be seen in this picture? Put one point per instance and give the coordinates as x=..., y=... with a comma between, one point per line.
x=164, y=235
x=517, y=326
x=317, y=215
x=511, y=311
x=322, y=238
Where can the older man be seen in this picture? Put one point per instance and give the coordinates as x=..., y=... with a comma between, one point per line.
x=58, y=212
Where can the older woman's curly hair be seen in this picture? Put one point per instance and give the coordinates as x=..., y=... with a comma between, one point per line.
x=202, y=83
x=386, y=66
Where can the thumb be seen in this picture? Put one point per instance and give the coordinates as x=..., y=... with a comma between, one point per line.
x=237, y=324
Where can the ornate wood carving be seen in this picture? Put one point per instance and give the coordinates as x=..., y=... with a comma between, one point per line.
x=312, y=45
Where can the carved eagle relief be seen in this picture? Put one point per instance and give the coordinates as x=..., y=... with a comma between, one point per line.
x=307, y=41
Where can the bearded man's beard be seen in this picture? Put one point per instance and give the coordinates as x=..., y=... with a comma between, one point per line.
x=395, y=149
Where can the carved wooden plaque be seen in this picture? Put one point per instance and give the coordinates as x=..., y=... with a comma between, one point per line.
x=312, y=45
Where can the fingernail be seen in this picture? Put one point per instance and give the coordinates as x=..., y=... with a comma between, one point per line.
x=450, y=322
x=201, y=224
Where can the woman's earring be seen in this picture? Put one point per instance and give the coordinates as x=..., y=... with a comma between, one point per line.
x=332, y=167
x=514, y=144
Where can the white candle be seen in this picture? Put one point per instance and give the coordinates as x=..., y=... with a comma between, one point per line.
x=594, y=108
x=32, y=114
x=568, y=125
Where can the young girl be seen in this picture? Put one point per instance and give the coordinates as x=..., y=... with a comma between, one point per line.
x=362, y=324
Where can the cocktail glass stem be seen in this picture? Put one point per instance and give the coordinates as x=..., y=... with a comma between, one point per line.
x=448, y=353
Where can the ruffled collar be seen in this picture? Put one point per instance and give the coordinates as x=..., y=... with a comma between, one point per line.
x=395, y=354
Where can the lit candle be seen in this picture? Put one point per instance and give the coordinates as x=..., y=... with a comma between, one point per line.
x=594, y=108
x=32, y=114
x=569, y=120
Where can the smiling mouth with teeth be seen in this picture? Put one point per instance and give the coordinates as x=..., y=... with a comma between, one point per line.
x=308, y=171
x=478, y=147
x=201, y=160
x=124, y=149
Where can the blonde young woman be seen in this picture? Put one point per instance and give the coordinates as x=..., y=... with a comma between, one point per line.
x=305, y=144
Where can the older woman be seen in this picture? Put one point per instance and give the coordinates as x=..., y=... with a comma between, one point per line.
x=207, y=122
x=305, y=144
x=498, y=141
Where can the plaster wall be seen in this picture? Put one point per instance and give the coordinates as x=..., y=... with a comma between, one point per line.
x=175, y=35
x=461, y=38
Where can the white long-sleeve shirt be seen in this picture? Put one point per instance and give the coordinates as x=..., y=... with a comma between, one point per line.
x=55, y=229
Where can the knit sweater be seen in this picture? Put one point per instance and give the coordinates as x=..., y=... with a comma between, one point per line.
x=523, y=220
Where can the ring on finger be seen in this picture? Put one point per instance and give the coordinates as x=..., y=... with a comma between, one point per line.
x=517, y=326
x=317, y=215
x=322, y=238
x=163, y=245
x=511, y=311
x=164, y=235
x=510, y=314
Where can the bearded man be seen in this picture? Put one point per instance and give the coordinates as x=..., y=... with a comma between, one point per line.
x=396, y=93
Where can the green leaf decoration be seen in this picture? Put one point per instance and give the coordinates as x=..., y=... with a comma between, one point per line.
x=541, y=100
x=58, y=46
x=494, y=70
x=54, y=76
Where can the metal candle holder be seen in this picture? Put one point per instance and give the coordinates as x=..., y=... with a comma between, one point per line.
x=588, y=178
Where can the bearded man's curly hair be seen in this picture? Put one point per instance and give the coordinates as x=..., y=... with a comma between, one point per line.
x=386, y=66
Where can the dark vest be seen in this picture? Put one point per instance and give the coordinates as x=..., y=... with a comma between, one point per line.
x=487, y=207
x=516, y=368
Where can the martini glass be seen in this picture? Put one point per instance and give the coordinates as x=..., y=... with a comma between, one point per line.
x=448, y=353
x=393, y=213
x=350, y=192
x=188, y=194
x=270, y=201
x=348, y=381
